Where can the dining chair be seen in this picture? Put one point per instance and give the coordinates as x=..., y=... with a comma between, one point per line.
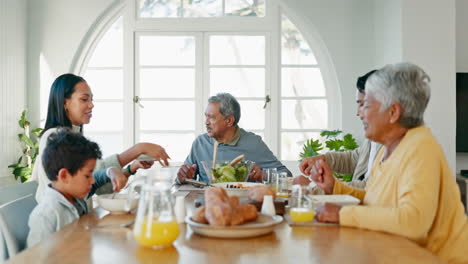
x=13, y=192
x=14, y=229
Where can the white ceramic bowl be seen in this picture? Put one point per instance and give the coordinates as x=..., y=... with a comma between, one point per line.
x=116, y=205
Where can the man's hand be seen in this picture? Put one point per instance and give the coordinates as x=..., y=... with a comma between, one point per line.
x=307, y=163
x=322, y=176
x=301, y=180
x=256, y=174
x=329, y=213
x=186, y=171
x=118, y=179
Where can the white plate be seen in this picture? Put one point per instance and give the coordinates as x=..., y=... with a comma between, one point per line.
x=338, y=199
x=264, y=224
x=235, y=191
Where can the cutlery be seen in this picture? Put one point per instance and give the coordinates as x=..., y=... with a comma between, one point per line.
x=215, y=153
x=199, y=183
x=88, y=227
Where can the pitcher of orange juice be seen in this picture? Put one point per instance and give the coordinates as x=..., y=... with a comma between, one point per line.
x=155, y=224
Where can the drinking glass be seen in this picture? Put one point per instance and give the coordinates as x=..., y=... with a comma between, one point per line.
x=284, y=185
x=302, y=208
x=268, y=175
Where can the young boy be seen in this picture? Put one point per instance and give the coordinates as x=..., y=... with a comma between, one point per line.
x=69, y=160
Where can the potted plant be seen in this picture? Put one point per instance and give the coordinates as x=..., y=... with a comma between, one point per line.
x=29, y=141
x=334, y=141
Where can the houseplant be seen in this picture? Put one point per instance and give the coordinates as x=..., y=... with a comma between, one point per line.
x=29, y=141
x=334, y=141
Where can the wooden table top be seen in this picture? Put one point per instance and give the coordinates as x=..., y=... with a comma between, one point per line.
x=310, y=244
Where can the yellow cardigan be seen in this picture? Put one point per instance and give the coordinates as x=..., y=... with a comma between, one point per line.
x=413, y=194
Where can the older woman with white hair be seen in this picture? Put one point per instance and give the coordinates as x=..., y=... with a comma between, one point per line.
x=412, y=191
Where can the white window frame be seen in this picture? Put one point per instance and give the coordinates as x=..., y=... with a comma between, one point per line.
x=270, y=24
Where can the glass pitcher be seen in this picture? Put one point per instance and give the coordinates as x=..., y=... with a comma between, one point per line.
x=155, y=224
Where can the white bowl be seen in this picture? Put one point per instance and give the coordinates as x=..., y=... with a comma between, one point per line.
x=116, y=204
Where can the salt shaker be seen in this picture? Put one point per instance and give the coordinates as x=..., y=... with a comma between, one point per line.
x=268, y=207
x=180, y=209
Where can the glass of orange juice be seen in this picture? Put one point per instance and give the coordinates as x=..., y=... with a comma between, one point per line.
x=301, y=206
x=155, y=224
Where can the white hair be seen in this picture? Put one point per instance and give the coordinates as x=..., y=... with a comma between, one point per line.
x=405, y=84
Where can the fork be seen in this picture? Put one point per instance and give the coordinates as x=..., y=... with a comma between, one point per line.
x=88, y=227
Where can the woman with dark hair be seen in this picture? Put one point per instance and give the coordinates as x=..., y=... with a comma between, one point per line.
x=70, y=105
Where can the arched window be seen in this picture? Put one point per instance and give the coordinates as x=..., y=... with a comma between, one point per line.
x=153, y=69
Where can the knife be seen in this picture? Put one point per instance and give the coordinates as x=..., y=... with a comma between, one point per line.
x=199, y=183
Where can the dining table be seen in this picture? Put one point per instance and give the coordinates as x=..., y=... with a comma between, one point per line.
x=76, y=243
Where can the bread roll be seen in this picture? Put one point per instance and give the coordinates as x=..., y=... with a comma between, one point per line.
x=199, y=215
x=218, y=211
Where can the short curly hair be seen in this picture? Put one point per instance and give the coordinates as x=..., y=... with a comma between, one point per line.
x=69, y=150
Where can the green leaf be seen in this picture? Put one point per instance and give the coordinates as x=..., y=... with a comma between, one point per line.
x=23, y=121
x=334, y=144
x=330, y=133
x=36, y=131
x=26, y=140
x=311, y=148
x=349, y=143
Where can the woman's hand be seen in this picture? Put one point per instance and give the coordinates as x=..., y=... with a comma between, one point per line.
x=307, y=163
x=136, y=165
x=322, y=175
x=155, y=151
x=329, y=213
x=118, y=179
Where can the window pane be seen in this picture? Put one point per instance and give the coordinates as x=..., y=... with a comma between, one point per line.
x=240, y=82
x=302, y=82
x=106, y=117
x=252, y=114
x=167, y=115
x=109, y=50
x=105, y=84
x=159, y=8
x=254, y=8
x=237, y=50
x=294, y=48
x=203, y=8
x=110, y=143
x=164, y=83
x=304, y=114
x=167, y=50
x=177, y=145
x=291, y=143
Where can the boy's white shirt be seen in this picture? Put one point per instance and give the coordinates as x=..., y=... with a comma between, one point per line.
x=49, y=216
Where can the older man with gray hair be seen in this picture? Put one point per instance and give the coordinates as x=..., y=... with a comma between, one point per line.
x=222, y=116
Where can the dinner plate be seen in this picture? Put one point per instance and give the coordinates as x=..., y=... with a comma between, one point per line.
x=264, y=224
x=338, y=199
x=231, y=190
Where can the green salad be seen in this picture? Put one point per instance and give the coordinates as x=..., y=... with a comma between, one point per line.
x=224, y=172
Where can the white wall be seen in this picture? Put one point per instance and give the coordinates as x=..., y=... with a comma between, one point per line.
x=56, y=30
x=462, y=59
x=12, y=81
x=428, y=40
x=387, y=29
x=346, y=28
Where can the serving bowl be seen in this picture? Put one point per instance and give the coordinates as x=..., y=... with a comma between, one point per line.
x=117, y=204
x=224, y=172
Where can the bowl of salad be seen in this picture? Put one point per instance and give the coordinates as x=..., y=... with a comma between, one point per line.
x=225, y=171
